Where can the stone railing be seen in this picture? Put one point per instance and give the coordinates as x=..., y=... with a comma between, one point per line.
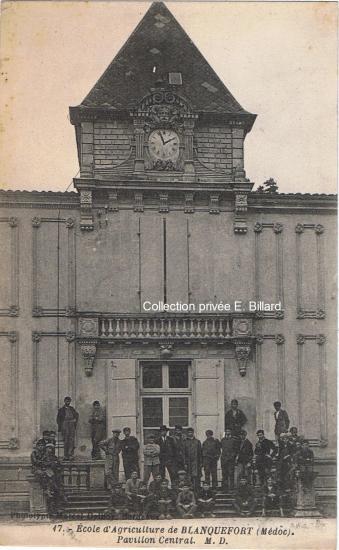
x=167, y=330
x=167, y=327
x=76, y=477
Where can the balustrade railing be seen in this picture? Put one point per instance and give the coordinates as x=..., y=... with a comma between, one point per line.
x=197, y=327
x=76, y=477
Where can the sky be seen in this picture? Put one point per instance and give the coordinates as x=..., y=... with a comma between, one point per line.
x=277, y=58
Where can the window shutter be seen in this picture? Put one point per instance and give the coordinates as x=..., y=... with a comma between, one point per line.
x=209, y=397
x=122, y=404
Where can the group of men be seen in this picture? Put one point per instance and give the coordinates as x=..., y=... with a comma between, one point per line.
x=176, y=460
x=159, y=500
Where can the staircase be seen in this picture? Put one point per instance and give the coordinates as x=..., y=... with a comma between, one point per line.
x=92, y=504
x=86, y=504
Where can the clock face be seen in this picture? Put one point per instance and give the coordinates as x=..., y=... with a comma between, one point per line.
x=164, y=145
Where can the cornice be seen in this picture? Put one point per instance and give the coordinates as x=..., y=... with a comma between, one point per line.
x=81, y=113
x=39, y=199
x=292, y=202
x=257, y=202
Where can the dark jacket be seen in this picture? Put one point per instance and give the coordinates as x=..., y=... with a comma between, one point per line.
x=228, y=449
x=265, y=447
x=167, y=449
x=235, y=422
x=193, y=456
x=282, y=422
x=211, y=448
x=206, y=495
x=179, y=452
x=130, y=448
x=245, y=452
x=62, y=414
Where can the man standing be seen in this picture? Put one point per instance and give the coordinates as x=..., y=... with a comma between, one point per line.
x=193, y=458
x=151, y=459
x=228, y=454
x=282, y=422
x=179, y=462
x=210, y=457
x=130, y=453
x=264, y=452
x=67, y=421
x=167, y=454
x=235, y=419
x=244, y=456
x=98, y=428
x=112, y=448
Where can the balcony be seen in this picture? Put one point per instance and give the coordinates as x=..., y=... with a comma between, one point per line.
x=166, y=330
x=165, y=327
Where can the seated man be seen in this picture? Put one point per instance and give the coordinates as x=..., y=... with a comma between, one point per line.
x=165, y=500
x=294, y=438
x=272, y=497
x=186, y=505
x=37, y=457
x=118, y=505
x=206, y=501
x=155, y=485
x=52, y=479
x=131, y=490
x=142, y=495
x=182, y=479
x=244, y=501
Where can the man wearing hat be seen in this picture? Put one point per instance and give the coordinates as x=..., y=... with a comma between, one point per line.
x=112, y=448
x=67, y=421
x=44, y=440
x=167, y=453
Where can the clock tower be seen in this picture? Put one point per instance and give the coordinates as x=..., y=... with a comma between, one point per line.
x=160, y=125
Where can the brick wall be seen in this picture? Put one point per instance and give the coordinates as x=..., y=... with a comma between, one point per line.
x=112, y=142
x=214, y=147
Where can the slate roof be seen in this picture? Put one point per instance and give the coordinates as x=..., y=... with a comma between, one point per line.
x=159, y=41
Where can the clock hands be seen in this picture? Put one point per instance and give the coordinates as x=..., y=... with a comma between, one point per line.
x=162, y=139
x=164, y=142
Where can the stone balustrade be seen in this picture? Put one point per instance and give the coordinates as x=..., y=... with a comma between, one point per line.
x=166, y=326
x=76, y=477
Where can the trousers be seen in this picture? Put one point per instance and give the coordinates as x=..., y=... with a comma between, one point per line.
x=210, y=470
x=150, y=469
x=68, y=435
x=227, y=467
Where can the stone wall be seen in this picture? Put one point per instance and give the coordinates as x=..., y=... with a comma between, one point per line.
x=286, y=256
x=112, y=142
x=214, y=146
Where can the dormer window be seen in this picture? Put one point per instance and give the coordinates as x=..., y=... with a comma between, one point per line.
x=175, y=78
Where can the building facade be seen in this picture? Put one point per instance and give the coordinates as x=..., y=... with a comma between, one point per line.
x=163, y=213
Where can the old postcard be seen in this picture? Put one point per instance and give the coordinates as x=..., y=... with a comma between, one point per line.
x=168, y=274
